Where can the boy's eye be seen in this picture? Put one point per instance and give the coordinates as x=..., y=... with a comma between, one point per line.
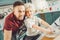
x=19, y=11
x=28, y=11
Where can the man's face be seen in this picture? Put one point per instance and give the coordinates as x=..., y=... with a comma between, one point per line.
x=19, y=12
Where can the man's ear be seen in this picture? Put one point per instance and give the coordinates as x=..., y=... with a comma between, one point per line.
x=1, y=16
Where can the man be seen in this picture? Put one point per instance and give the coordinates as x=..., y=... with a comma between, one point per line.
x=14, y=21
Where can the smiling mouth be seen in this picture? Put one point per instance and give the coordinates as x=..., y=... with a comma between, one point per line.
x=20, y=16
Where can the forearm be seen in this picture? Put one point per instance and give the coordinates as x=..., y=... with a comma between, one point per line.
x=7, y=35
x=41, y=29
x=45, y=24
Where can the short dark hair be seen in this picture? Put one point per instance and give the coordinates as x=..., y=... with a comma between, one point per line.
x=17, y=3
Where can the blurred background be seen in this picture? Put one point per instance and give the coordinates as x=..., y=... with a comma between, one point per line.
x=48, y=10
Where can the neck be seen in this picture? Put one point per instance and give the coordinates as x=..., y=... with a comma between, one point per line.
x=29, y=16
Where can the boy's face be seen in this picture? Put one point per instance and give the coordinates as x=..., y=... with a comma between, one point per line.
x=19, y=12
x=29, y=12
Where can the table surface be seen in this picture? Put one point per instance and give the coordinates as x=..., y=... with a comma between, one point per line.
x=46, y=38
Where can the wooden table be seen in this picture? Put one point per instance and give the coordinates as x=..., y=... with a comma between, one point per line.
x=46, y=38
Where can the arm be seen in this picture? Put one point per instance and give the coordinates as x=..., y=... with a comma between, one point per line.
x=41, y=21
x=47, y=25
x=8, y=24
x=41, y=29
x=7, y=35
x=31, y=24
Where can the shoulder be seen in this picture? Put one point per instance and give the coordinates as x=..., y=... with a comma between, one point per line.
x=9, y=17
x=36, y=18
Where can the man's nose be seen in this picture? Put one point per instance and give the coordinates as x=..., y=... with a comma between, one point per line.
x=21, y=13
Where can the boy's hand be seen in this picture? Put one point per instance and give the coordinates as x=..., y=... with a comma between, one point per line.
x=48, y=31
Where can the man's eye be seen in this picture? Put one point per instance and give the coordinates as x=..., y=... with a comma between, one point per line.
x=21, y=11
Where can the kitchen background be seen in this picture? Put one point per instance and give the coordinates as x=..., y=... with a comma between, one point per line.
x=49, y=10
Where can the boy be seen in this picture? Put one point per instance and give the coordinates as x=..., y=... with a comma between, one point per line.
x=32, y=23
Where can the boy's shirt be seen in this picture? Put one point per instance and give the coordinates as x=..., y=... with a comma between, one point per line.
x=29, y=22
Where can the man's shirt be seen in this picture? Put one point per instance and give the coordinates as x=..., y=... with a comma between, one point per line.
x=12, y=23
